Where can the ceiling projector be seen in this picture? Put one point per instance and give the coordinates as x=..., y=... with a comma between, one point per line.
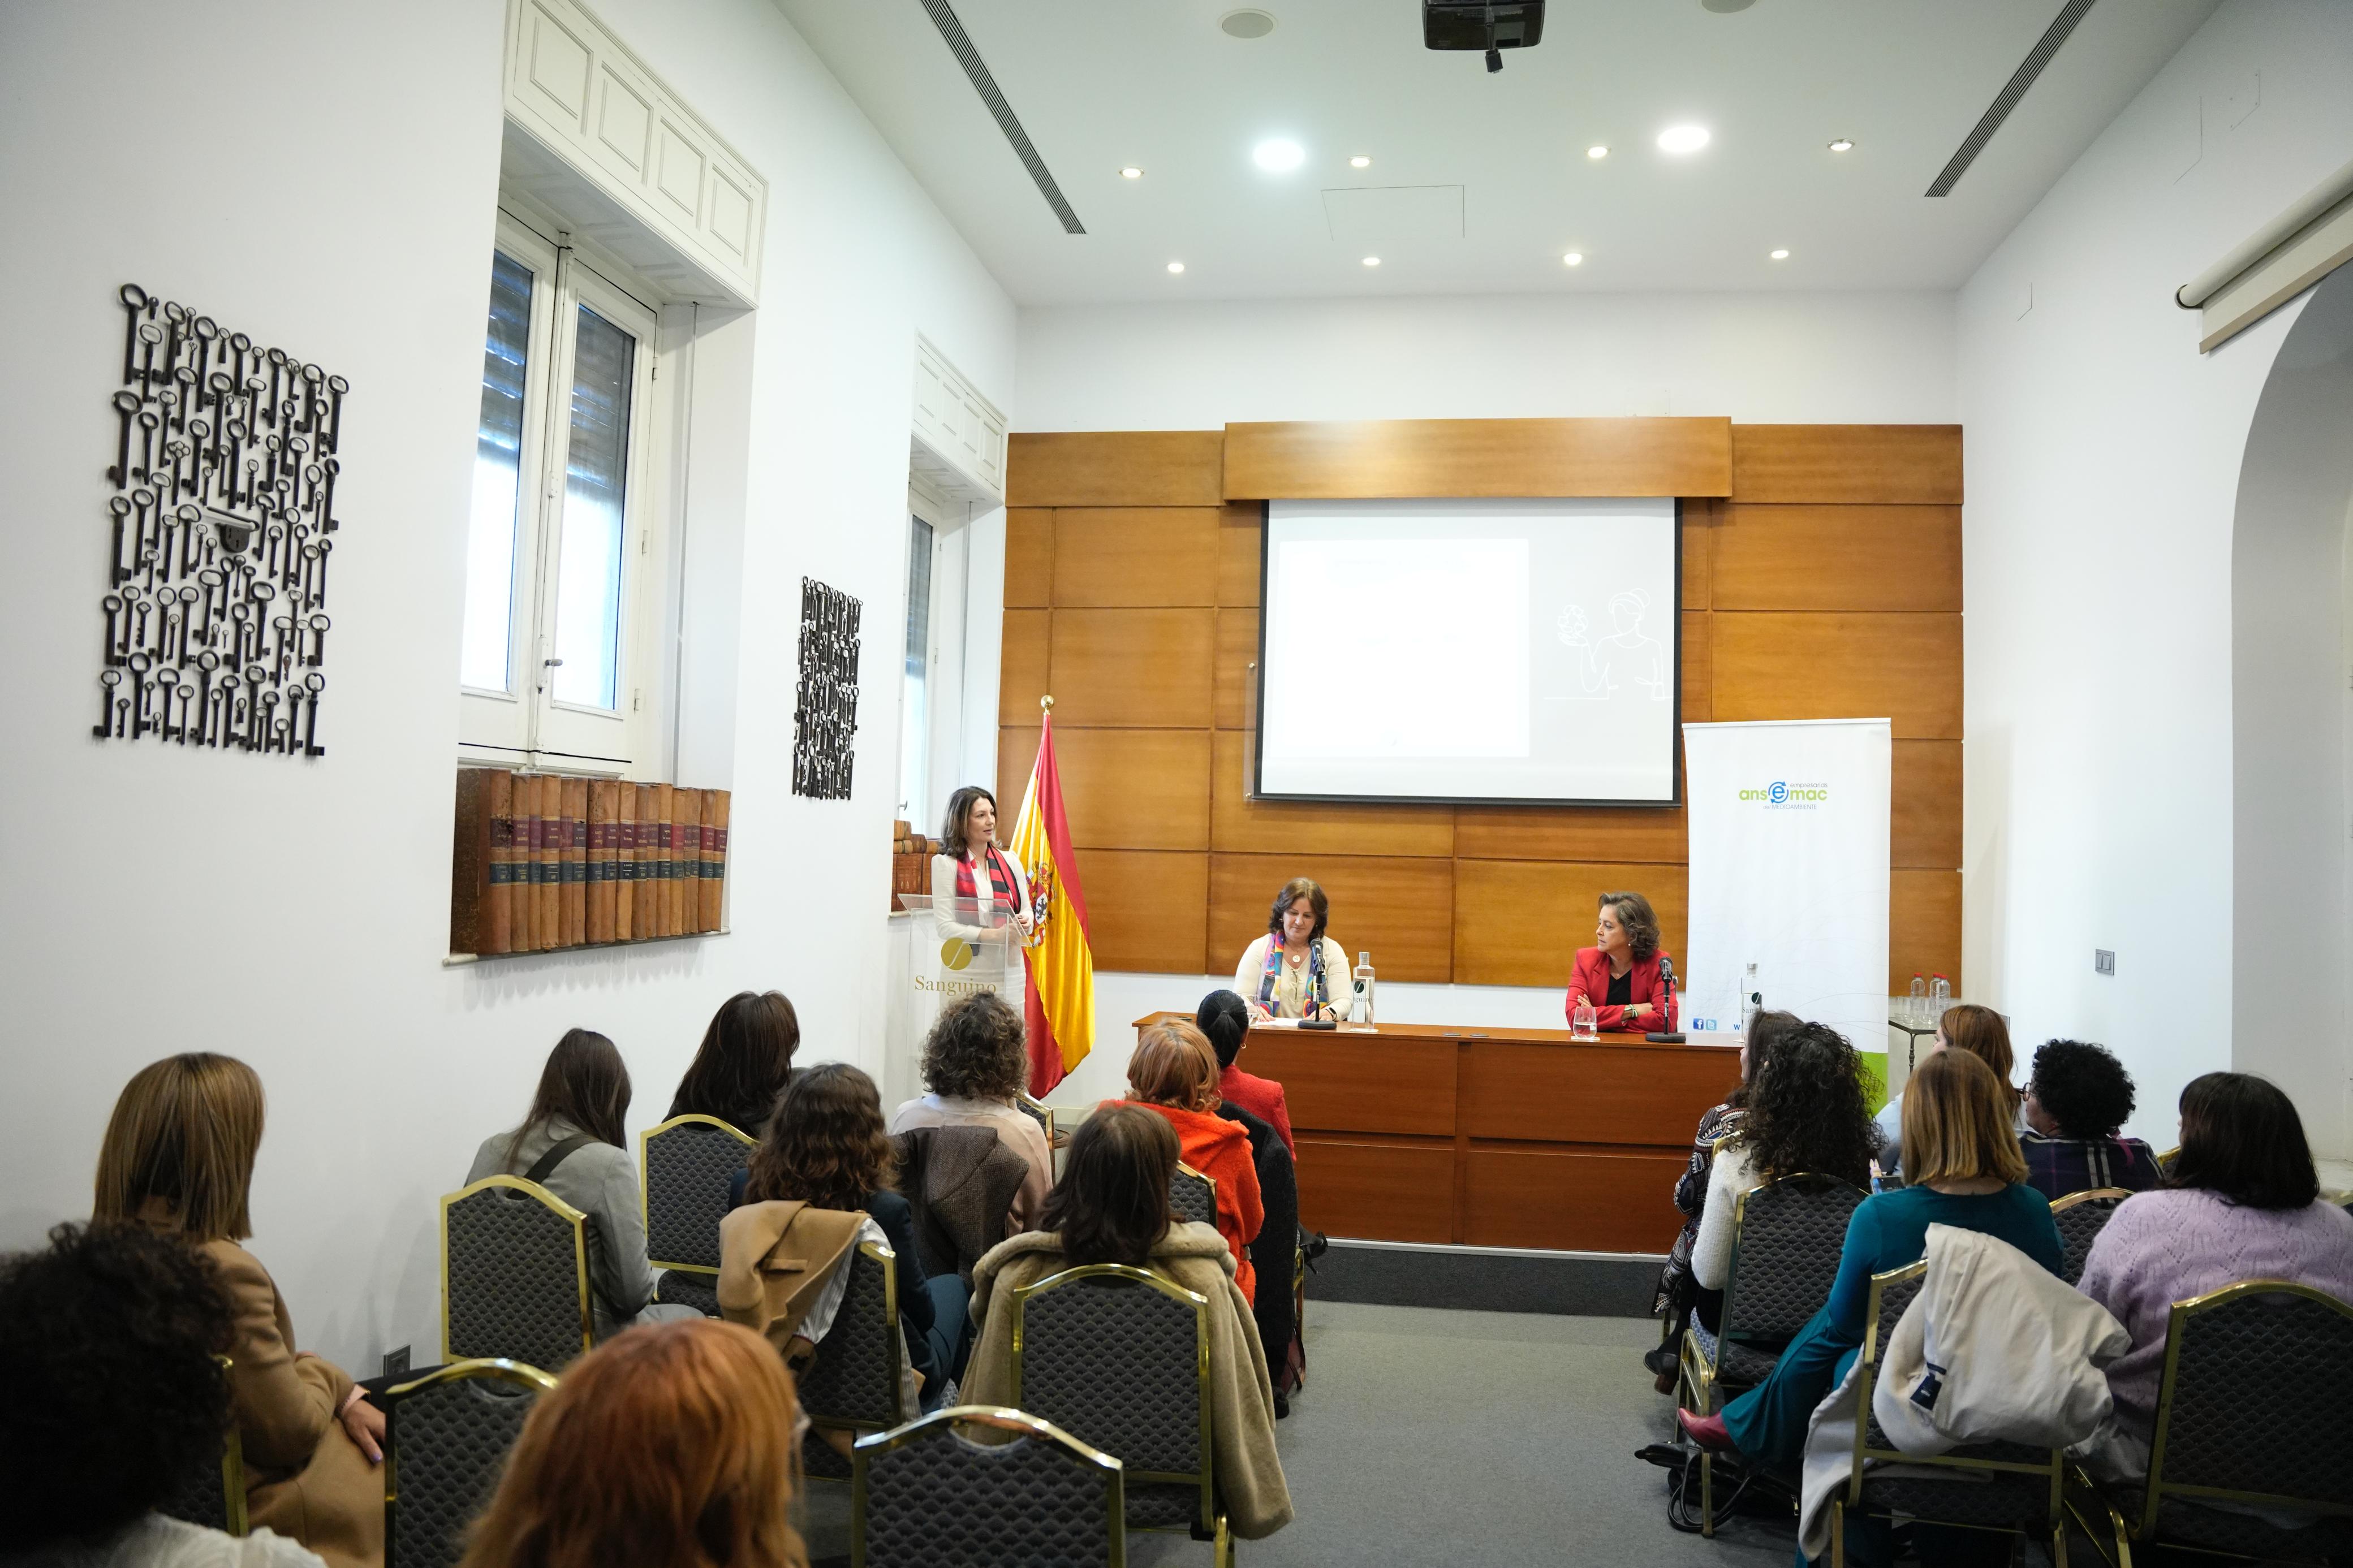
x=1494, y=26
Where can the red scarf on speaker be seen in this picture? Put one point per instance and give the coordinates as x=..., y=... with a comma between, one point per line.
x=1001, y=884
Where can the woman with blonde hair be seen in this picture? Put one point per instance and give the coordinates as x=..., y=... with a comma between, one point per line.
x=1175, y=1073
x=668, y=1447
x=178, y=1158
x=1981, y=1032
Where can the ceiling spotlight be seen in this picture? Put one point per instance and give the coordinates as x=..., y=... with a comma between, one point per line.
x=1176, y=267
x=1841, y=145
x=1597, y=152
x=1360, y=161
x=1780, y=255
x=1248, y=23
x=1573, y=258
x=1279, y=157
x=1131, y=173
x=1682, y=139
x=1372, y=261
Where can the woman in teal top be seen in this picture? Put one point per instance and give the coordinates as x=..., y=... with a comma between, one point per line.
x=1968, y=1172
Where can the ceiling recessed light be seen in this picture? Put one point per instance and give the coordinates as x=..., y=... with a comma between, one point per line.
x=1360, y=161
x=1780, y=255
x=1176, y=267
x=1372, y=261
x=1131, y=173
x=1247, y=23
x=1597, y=152
x=1842, y=145
x=1682, y=139
x=1278, y=157
x=1573, y=258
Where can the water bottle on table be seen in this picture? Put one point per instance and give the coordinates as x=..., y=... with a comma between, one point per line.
x=1360, y=1003
x=1916, y=1008
x=1940, y=996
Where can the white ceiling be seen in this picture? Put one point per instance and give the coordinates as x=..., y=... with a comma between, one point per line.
x=1102, y=83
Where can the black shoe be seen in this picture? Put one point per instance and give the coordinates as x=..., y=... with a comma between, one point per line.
x=1660, y=1360
x=1282, y=1405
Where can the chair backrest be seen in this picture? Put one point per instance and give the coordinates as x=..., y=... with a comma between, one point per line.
x=1786, y=1239
x=1192, y=1196
x=2258, y=1377
x=685, y=1166
x=2081, y=1216
x=926, y=1496
x=514, y=1275
x=212, y=1494
x=2164, y=1161
x=1039, y=1112
x=855, y=1380
x=447, y=1436
x=1118, y=1358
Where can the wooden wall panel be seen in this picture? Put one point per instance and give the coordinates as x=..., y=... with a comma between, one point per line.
x=1697, y=662
x=1016, y=753
x=1838, y=558
x=1566, y=1199
x=1116, y=468
x=1924, y=829
x=1240, y=826
x=1400, y=909
x=1132, y=668
x=1916, y=465
x=1021, y=674
x=1240, y=534
x=1319, y=459
x=1699, y=553
x=1520, y=922
x=1148, y=911
x=1029, y=557
x=1234, y=681
x=1923, y=926
x=1135, y=555
x=1131, y=789
x=1360, y=1187
x=1548, y=833
x=1808, y=666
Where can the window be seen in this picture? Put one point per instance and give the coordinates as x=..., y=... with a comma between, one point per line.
x=558, y=662
x=914, y=712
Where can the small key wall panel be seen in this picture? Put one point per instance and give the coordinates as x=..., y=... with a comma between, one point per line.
x=224, y=520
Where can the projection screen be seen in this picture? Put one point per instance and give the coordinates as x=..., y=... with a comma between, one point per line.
x=1469, y=651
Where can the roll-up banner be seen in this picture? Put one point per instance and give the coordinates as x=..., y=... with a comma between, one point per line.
x=1788, y=872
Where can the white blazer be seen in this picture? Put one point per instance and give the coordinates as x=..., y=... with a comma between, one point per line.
x=944, y=894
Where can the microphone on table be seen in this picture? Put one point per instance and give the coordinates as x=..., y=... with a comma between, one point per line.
x=1667, y=989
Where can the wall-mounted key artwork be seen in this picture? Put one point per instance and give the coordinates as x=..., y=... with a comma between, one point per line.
x=224, y=521
x=825, y=715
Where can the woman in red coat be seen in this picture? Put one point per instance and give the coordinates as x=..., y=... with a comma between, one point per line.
x=1620, y=972
x=1175, y=1072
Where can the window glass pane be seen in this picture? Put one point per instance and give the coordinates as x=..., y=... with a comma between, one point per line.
x=588, y=580
x=915, y=725
x=498, y=459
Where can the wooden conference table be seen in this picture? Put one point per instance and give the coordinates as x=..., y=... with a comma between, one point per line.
x=1432, y=1132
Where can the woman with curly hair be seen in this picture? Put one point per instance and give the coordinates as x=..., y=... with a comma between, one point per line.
x=178, y=1158
x=115, y=1403
x=673, y=1443
x=976, y=1065
x=826, y=1147
x=2078, y=1097
x=1804, y=1113
x=1622, y=974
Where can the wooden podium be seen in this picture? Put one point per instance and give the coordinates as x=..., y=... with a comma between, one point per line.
x=1430, y=1132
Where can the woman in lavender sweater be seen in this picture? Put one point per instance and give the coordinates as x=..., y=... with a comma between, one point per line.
x=2243, y=1203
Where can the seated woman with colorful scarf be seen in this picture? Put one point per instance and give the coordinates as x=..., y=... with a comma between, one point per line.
x=1295, y=971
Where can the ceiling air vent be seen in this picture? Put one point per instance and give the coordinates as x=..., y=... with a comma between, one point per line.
x=959, y=45
x=2031, y=68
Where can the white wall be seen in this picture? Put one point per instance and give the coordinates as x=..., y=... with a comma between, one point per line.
x=296, y=912
x=2104, y=455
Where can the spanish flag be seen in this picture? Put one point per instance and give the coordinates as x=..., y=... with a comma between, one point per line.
x=1061, y=1002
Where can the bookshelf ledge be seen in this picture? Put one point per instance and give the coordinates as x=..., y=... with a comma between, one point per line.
x=456, y=960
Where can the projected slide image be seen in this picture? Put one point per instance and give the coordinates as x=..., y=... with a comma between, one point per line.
x=1469, y=650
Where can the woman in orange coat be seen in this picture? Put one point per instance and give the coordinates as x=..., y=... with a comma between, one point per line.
x=178, y=1157
x=1175, y=1072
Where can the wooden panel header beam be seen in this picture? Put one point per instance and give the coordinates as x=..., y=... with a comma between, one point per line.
x=1380, y=457
x=1113, y=468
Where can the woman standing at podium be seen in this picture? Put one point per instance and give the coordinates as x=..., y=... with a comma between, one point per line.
x=1619, y=973
x=971, y=868
x=1295, y=971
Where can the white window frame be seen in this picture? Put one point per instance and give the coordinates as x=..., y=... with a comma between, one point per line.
x=526, y=724
x=922, y=509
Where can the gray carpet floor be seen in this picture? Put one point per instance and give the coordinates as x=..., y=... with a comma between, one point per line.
x=1432, y=1437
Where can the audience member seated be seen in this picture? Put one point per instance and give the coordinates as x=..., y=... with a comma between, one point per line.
x=1175, y=1073
x=2077, y=1096
x=1805, y=1113
x=674, y=1445
x=1969, y=1028
x=1112, y=1206
x=1678, y=1293
x=115, y=1404
x=1966, y=1172
x=825, y=1146
x=976, y=1065
x=741, y=1064
x=178, y=1157
x=1223, y=1020
x=574, y=1143
x=2242, y=1203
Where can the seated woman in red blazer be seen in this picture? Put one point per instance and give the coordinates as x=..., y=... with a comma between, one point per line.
x=1619, y=973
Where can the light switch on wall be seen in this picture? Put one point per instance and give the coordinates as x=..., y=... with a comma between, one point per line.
x=2103, y=961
